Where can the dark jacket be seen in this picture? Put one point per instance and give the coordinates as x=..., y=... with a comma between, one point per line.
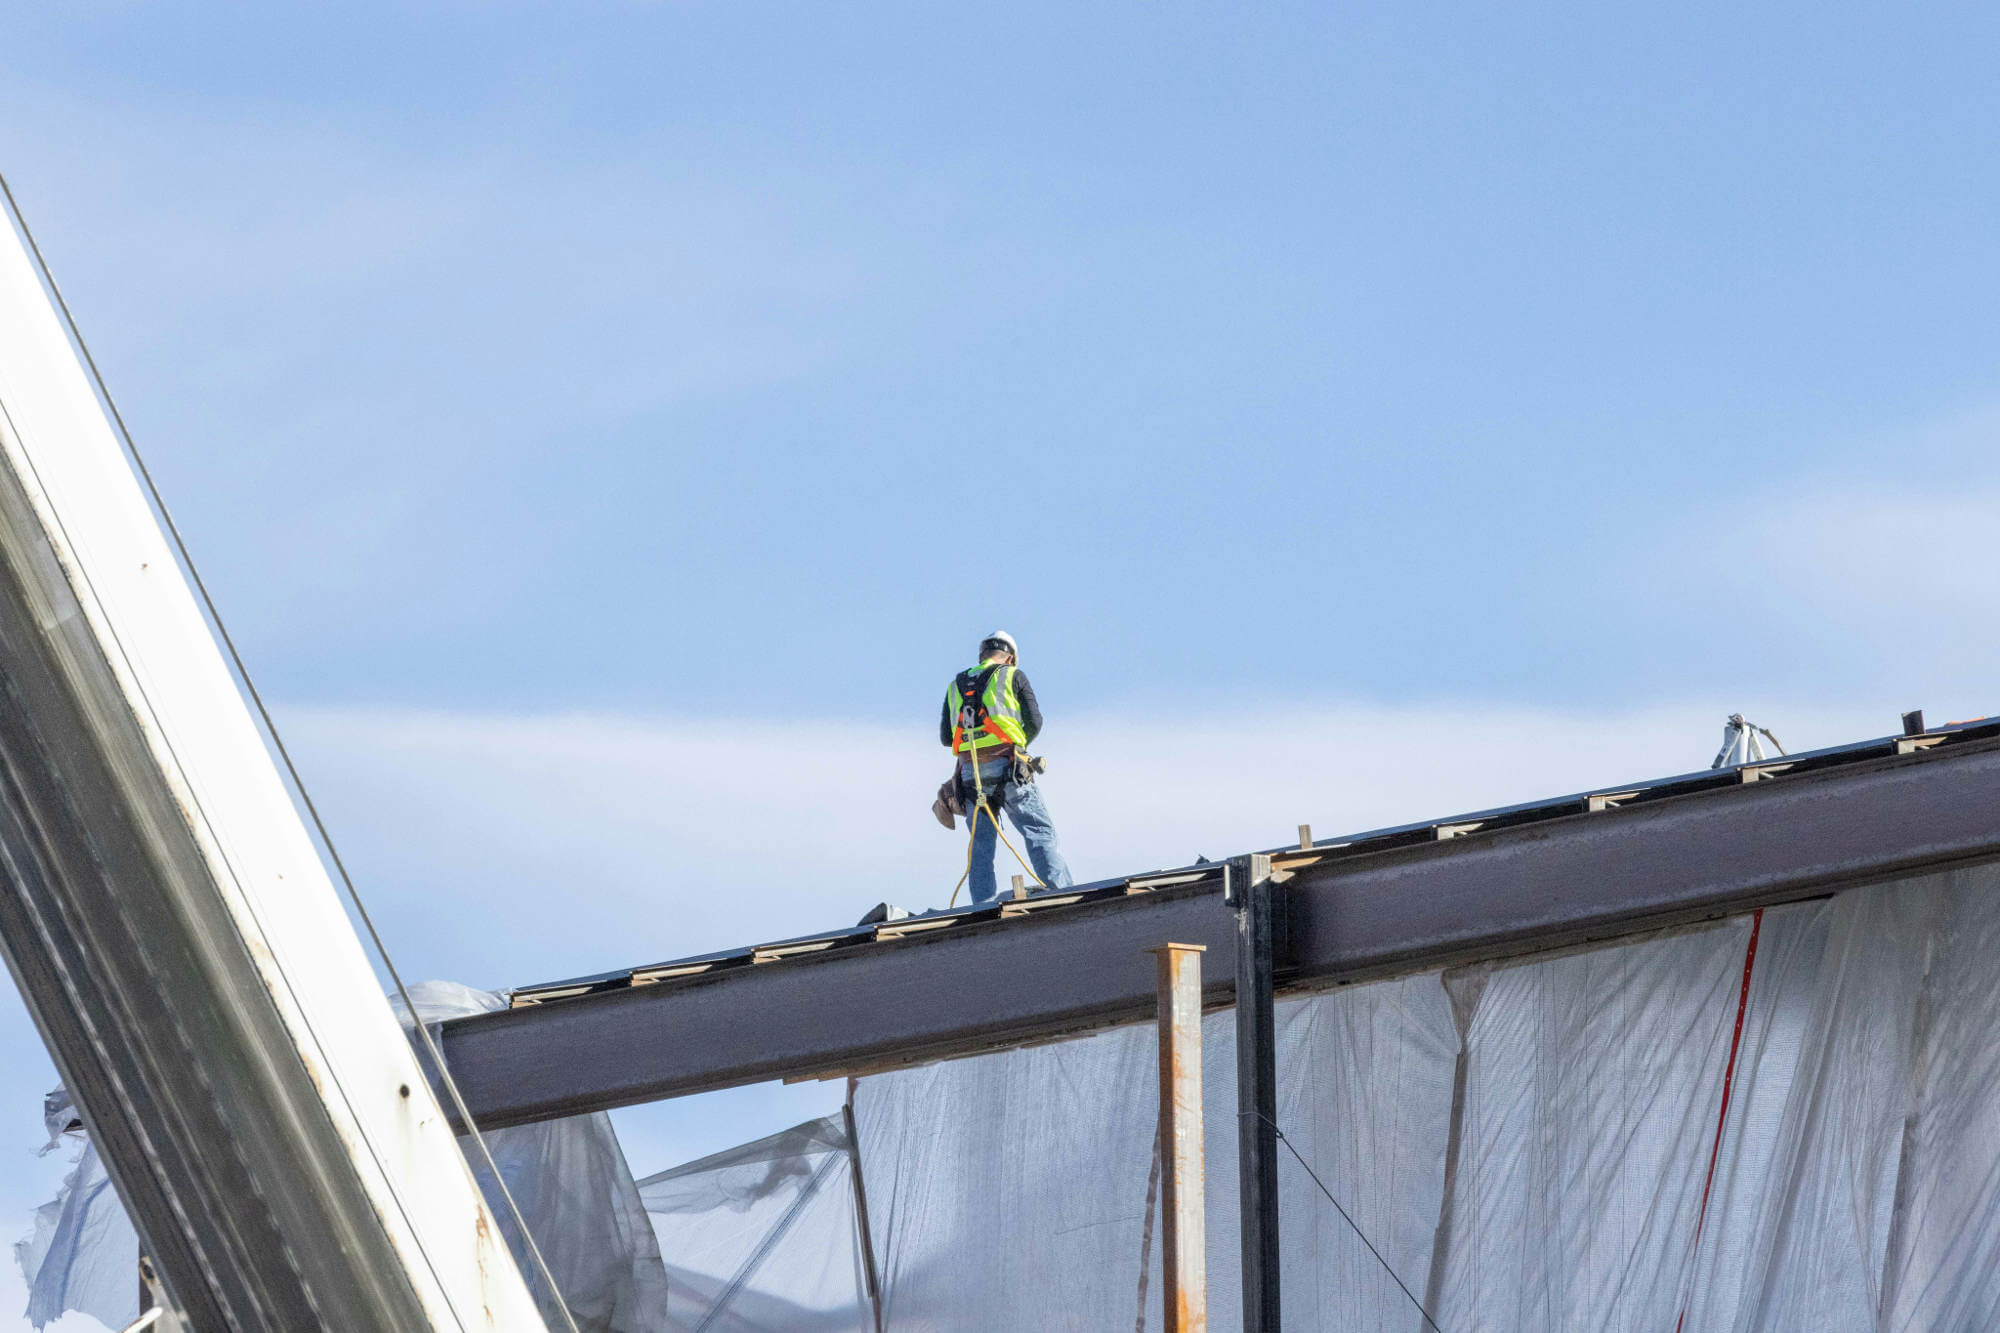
x=1024, y=693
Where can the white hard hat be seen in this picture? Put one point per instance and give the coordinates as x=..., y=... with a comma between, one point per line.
x=1003, y=638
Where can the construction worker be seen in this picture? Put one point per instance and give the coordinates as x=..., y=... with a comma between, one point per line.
x=989, y=718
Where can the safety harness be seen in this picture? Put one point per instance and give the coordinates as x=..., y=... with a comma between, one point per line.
x=987, y=713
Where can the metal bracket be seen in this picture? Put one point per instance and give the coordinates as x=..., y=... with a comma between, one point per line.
x=1758, y=772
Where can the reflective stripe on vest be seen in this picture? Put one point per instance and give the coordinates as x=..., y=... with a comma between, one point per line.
x=984, y=718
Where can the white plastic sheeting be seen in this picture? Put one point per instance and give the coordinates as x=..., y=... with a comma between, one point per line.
x=568, y=1176
x=576, y=1192
x=83, y=1254
x=1861, y=1188
x=1011, y=1191
x=1541, y=1144
x=764, y=1237
x=1016, y=1184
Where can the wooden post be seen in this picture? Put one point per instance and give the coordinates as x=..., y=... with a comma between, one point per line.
x=1184, y=1237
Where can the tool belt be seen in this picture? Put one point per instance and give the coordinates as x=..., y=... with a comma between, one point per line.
x=1021, y=770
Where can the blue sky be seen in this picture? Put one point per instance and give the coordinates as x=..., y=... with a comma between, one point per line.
x=572, y=407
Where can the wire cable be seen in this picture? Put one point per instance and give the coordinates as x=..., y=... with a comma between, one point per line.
x=994, y=819
x=1344, y=1216
x=428, y=1044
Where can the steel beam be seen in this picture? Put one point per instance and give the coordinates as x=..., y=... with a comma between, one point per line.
x=1250, y=892
x=134, y=972
x=1606, y=868
x=1183, y=1246
x=913, y=998
x=171, y=928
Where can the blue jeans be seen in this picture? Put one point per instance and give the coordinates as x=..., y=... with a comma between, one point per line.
x=1030, y=816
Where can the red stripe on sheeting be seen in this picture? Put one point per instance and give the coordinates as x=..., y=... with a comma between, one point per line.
x=1728, y=1079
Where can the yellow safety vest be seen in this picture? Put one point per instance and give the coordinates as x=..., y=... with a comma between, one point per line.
x=984, y=710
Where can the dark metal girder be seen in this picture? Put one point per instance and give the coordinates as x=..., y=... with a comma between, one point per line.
x=924, y=996
x=1728, y=843
x=1253, y=896
x=1596, y=876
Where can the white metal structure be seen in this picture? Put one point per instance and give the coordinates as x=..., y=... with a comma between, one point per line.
x=173, y=927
